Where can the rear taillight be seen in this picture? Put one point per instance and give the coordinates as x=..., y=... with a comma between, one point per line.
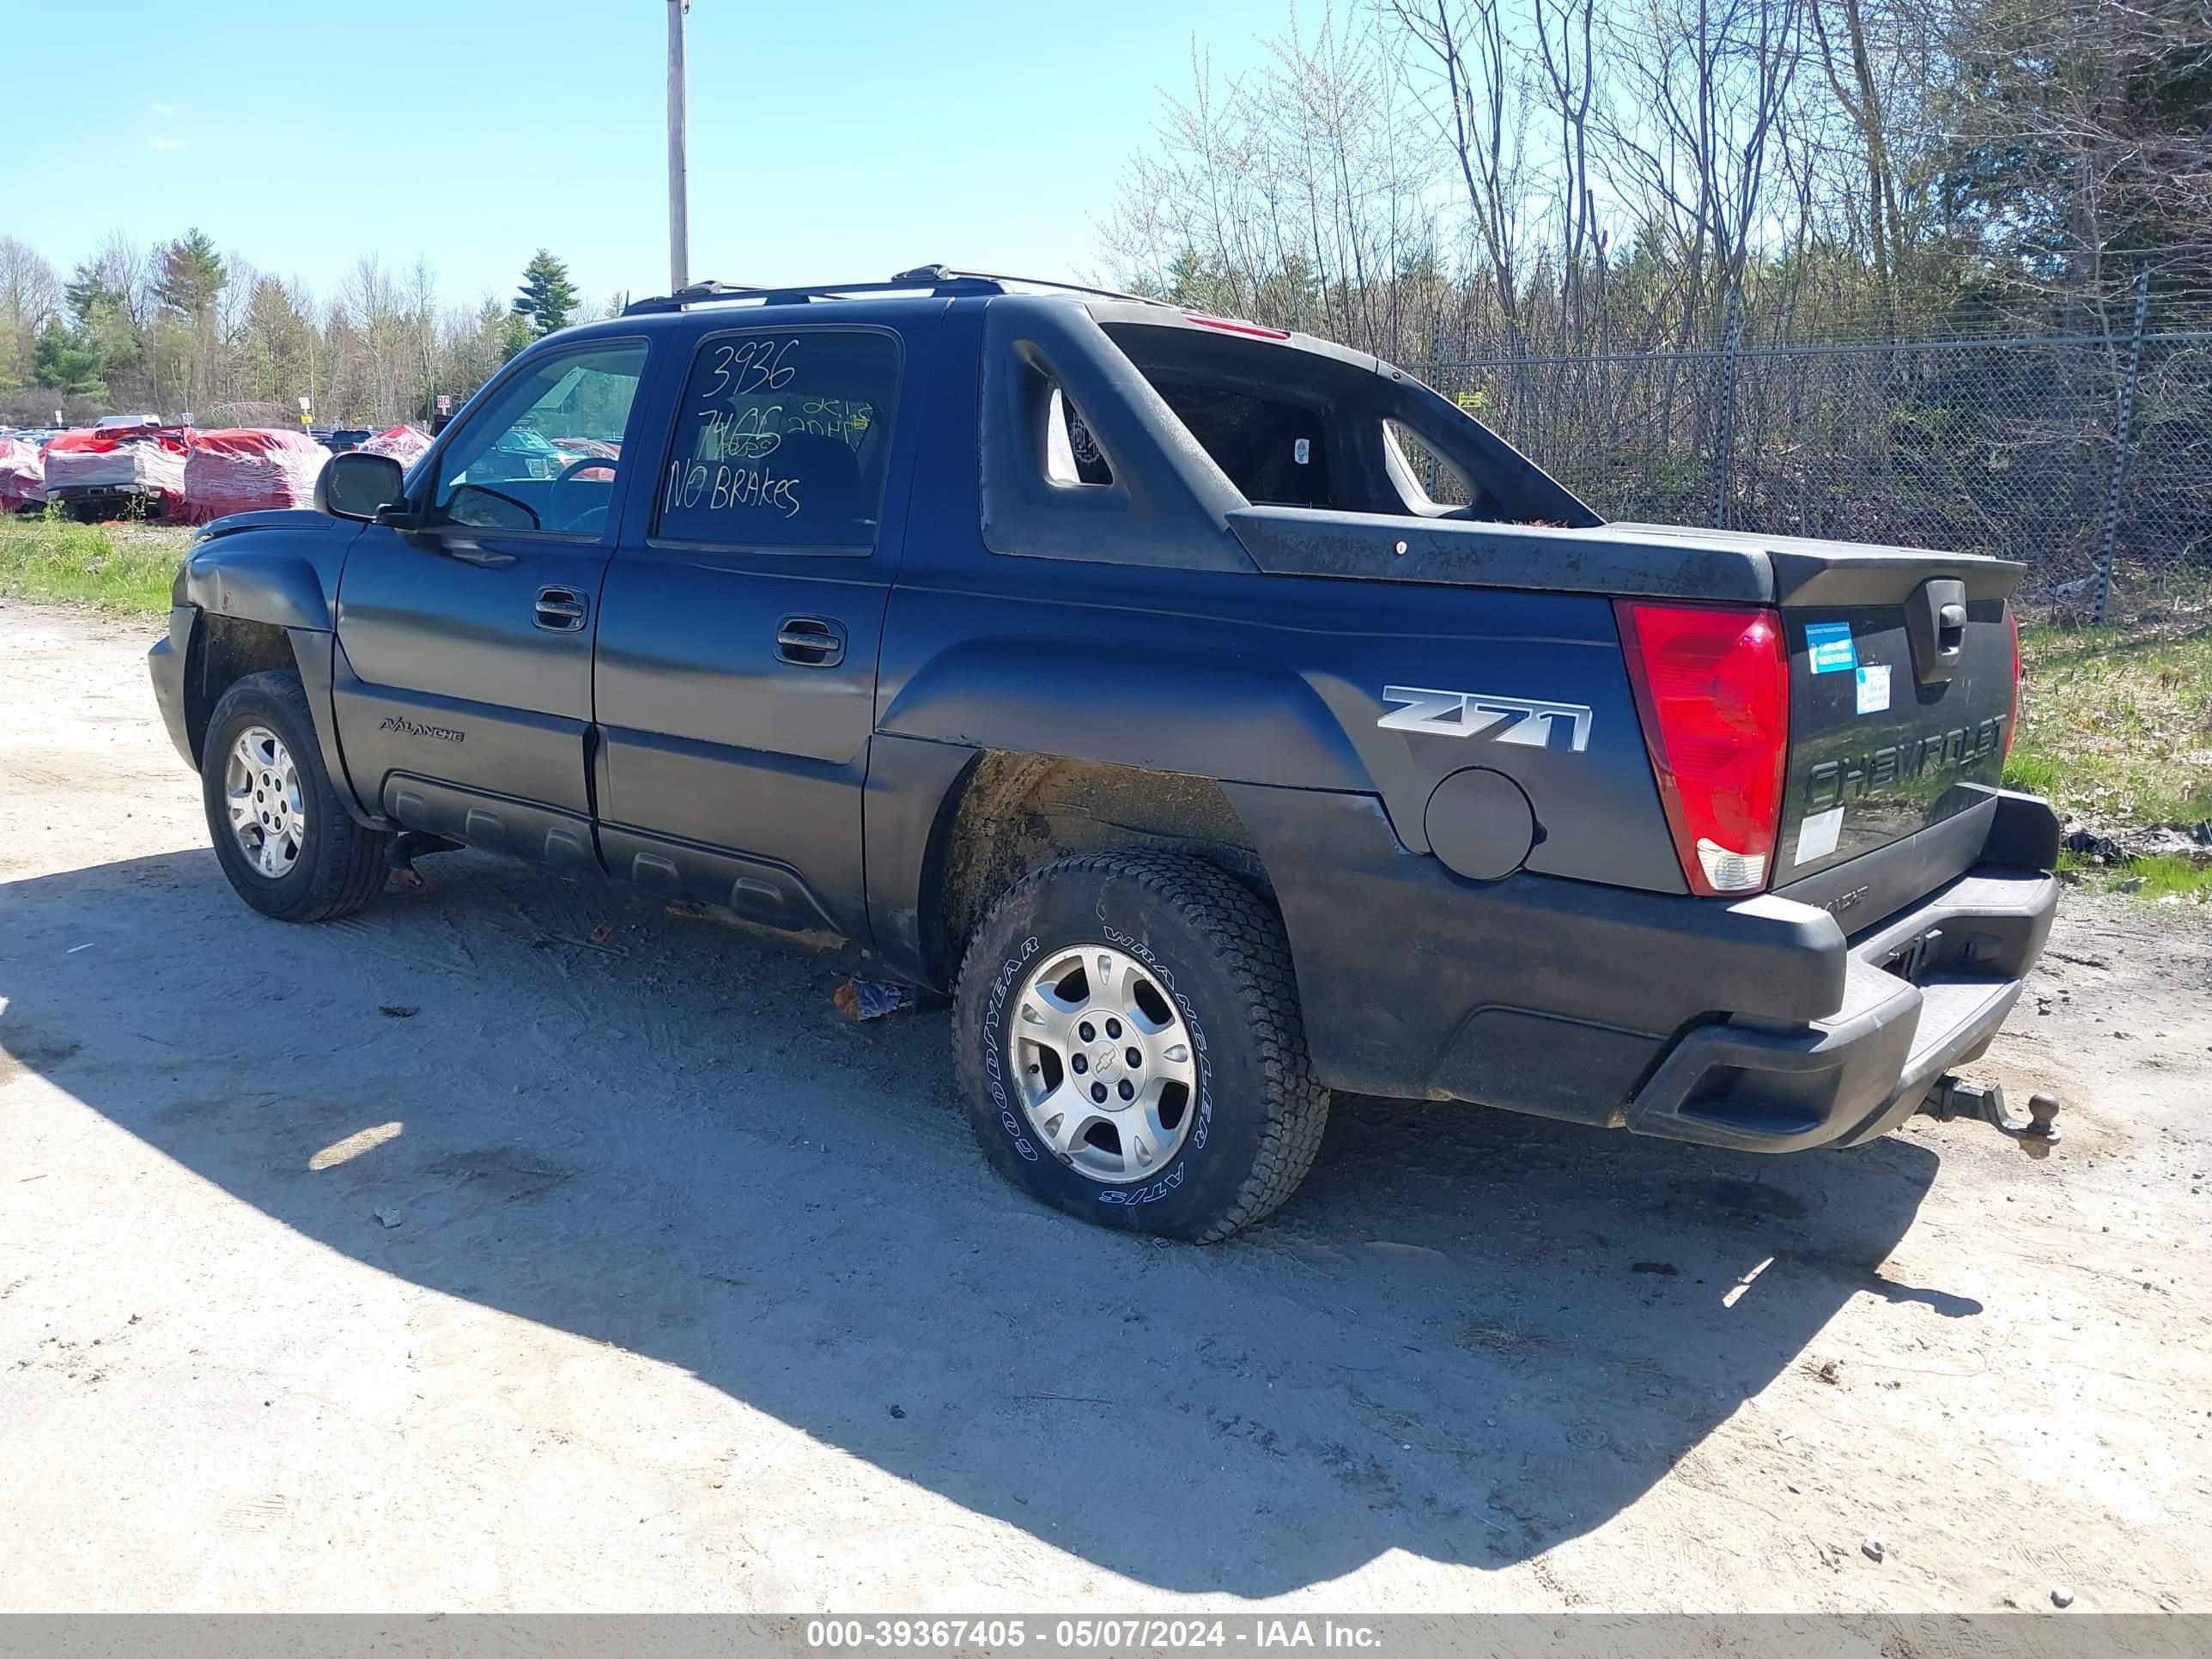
x=2012, y=723
x=1712, y=687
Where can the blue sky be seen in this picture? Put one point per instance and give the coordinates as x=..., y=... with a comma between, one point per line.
x=829, y=140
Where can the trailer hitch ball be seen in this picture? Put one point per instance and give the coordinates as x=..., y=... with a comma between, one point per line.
x=2037, y=1132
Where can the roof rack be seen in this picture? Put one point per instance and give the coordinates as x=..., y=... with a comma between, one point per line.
x=1001, y=279
x=941, y=280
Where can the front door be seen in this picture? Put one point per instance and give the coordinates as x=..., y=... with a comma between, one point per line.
x=463, y=685
x=739, y=634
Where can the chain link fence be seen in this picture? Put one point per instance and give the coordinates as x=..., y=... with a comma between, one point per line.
x=2087, y=456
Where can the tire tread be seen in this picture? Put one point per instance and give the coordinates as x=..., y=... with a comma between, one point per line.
x=1248, y=940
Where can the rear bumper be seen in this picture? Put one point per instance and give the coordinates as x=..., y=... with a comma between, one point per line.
x=1925, y=990
x=1758, y=1024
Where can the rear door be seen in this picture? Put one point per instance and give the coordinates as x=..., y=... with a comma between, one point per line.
x=465, y=687
x=1903, y=669
x=739, y=632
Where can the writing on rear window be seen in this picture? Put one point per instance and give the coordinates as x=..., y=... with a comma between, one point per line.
x=782, y=441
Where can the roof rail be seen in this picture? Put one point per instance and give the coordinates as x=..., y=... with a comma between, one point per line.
x=938, y=279
x=943, y=273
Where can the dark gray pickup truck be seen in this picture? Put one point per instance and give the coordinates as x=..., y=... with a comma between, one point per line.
x=1221, y=717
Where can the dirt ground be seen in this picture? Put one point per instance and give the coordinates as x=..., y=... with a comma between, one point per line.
x=521, y=1246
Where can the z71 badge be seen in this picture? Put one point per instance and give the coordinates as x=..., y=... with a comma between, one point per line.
x=1476, y=713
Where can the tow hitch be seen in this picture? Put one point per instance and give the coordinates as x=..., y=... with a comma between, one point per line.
x=1954, y=1097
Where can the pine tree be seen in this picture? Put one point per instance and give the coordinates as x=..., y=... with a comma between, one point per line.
x=192, y=274
x=70, y=364
x=547, y=298
x=89, y=290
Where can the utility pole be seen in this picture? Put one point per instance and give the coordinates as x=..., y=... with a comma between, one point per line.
x=679, y=230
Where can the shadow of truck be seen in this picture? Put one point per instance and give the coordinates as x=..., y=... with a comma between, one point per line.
x=1470, y=1337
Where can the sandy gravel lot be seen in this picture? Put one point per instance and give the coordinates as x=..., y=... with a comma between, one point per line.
x=466, y=1255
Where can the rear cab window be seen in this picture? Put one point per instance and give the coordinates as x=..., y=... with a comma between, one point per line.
x=1291, y=426
x=782, y=441
x=1275, y=453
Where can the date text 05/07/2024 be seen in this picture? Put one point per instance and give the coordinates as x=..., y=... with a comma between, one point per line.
x=1086, y=1635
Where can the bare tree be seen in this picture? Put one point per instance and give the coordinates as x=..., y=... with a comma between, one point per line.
x=29, y=295
x=1484, y=120
x=1291, y=193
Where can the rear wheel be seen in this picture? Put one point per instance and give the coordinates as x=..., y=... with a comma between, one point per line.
x=280, y=831
x=1131, y=1049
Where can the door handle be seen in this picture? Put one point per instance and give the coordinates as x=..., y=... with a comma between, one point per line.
x=560, y=610
x=810, y=641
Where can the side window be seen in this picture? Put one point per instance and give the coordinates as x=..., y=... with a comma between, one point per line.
x=1072, y=454
x=1440, y=481
x=782, y=441
x=544, y=453
x=1274, y=452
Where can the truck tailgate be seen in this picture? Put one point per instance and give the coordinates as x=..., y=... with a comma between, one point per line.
x=1902, y=679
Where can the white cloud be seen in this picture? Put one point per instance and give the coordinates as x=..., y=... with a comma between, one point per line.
x=165, y=143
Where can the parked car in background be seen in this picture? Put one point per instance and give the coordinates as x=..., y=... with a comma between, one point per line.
x=122, y=467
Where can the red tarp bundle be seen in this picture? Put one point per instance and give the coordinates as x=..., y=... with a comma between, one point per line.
x=246, y=470
x=22, y=474
x=143, y=458
x=405, y=444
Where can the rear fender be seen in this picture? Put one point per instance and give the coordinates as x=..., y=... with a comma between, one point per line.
x=1161, y=709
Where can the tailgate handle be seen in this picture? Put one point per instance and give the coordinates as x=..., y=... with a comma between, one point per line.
x=1936, y=624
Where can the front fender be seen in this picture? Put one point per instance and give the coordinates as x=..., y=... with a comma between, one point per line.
x=284, y=592
x=278, y=570
x=276, y=567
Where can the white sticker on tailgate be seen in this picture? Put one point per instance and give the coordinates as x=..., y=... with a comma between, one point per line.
x=1816, y=835
x=1873, y=688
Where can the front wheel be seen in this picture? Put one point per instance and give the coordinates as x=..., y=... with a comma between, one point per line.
x=280, y=831
x=1131, y=1048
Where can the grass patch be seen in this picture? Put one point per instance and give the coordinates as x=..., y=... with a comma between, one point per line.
x=2169, y=872
x=2151, y=878
x=2116, y=724
x=122, y=567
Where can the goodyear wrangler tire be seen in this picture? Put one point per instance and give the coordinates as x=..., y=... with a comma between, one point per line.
x=281, y=833
x=1131, y=1049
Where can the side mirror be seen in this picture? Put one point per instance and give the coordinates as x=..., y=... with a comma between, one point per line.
x=354, y=486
